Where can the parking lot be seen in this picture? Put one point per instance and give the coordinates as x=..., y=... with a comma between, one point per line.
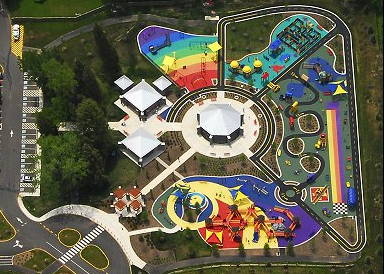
x=29, y=166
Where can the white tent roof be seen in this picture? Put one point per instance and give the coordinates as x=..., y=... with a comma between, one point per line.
x=220, y=119
x=124, y=82
x=142, y=96
x=162, y=83
x=140, y=142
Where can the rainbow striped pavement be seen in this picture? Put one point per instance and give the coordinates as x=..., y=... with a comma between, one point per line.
x=335, y=152
x=187, y=60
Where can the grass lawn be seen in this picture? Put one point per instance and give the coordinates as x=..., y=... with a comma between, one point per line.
x=261, y=270
x=69, y=237
x=39, y=261
x=186, y=244
x=7, y=232
x=37, y=206
x=51, y=7
x=64, y=270
x=39, y=34
x=93, y=255
x=124, y=172
x=249, y=36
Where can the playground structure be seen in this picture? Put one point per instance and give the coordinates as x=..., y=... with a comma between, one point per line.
x=246, y=70
x=287, y=96
x=324, y=77
x=311, y=178
x=319, y=194
x=299, y=35
x=326, y=212
x=294, y=108
x=291, y=122
x=273, y=87
x=235, y=222
x=167, y=42
x=275, y=48
x=322, y=142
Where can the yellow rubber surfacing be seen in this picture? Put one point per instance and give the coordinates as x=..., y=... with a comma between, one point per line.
x=17, y=46
x=215, y=191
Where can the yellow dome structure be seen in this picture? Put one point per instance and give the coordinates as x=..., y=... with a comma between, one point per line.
x=257, y=63
x=234, y=64
x=247, y=69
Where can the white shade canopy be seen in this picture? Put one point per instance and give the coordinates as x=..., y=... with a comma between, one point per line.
x=220, y=119
x=123, y=82
x=162, y=83
x=142, y=96
x=140, y=142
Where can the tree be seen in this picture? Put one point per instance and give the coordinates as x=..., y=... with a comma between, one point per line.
x=60, y=78
x=308, y=119
x=311, y=160
x=107, y=54
x=273, y=147
x=324, y=235
x=47, y=121
x=87, y=85
x=241, y=250
x=267, y=250
x=65, y=167
x=290, y=251
x=296, y=143
x=296, y=220
x=197, y=208
x=93, y=127
x=313, y=246
x=215, y=251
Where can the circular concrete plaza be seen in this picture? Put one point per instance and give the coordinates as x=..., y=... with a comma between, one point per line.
x=227, y=122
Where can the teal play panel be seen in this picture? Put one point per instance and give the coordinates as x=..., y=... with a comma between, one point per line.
x=271, y=61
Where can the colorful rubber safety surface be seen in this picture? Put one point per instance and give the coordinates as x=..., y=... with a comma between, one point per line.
x=189, y=60
x=252, y=198
x=300, y=98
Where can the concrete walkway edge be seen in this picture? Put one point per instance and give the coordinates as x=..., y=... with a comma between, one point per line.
x=110, y=222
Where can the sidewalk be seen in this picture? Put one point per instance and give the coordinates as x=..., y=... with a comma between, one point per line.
x=169, y=170
x=110, y=222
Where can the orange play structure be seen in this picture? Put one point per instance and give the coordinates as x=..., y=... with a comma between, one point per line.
x=234, y=222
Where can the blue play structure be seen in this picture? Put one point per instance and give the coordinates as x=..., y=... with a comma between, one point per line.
x=275, y=45
x=311, y=177
x=255, y=237
x=352, y=197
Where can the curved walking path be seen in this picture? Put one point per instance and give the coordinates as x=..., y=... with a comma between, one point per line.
x=120, y=20
x=110, y=222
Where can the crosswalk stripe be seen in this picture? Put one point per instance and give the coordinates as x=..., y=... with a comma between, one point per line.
x=82, y=245
x=77, y=249
x=93, y=234
x=87, y=241
x=71, y=252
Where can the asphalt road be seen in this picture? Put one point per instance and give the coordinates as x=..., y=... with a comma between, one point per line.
x=29, y=233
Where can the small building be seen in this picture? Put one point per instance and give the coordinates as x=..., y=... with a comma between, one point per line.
x=143, y=99
x=128, y=203
x=162, y=84
x=220, y=123
x=142, y=147
x=124, y=83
